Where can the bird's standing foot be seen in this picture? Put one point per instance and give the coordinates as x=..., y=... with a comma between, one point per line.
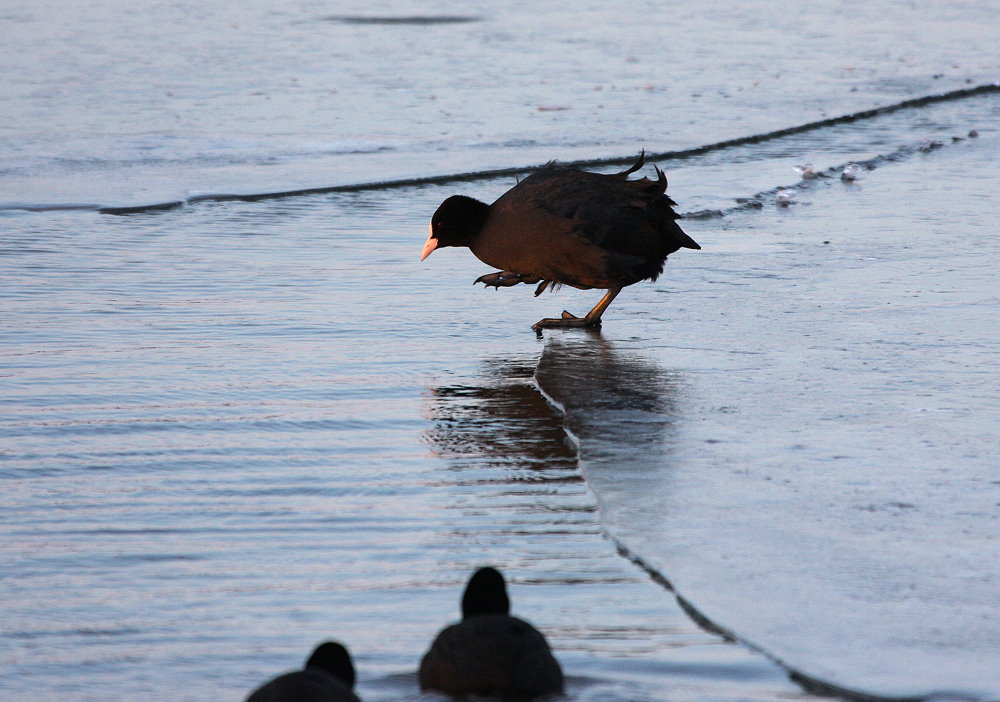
x=504, y=279
x=567, y=320
x=593, y=318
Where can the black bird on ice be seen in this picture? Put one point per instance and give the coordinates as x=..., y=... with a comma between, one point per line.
x=561, y=225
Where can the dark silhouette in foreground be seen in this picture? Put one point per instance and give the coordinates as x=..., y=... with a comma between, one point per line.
x=328, y=676
x=490, y=652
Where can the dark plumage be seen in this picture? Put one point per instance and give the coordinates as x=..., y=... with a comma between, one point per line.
x=490, y=652
x=563, y=225
x=328, y=676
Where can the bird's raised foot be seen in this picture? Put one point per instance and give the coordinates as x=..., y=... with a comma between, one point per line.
x=567, y=320
x=503, y=279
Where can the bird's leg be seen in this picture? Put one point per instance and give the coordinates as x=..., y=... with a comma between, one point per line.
x=504, y=279
x=592, y=319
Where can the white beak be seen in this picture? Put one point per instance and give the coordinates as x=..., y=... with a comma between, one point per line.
x=432, y=243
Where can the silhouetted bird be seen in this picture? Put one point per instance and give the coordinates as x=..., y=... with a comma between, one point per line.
x=328, y=676
x=563, y=225
x=490, y=652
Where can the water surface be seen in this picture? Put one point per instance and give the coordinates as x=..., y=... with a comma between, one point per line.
x=232, y=429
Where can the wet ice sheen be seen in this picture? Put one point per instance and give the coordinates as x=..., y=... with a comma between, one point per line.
x=230, y=432
x=818, y=423
x=235, y=429
x=157, y=101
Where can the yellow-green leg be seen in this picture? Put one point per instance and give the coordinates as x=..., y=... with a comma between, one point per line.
x=592, y=319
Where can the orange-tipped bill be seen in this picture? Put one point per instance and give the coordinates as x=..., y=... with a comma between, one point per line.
x=432, y=243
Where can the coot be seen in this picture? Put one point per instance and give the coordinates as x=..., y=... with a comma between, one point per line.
x=328, y=676
x=490, y=652
x=561, y=225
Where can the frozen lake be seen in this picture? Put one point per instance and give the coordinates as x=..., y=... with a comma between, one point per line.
x=231, y=429
x=823, y=429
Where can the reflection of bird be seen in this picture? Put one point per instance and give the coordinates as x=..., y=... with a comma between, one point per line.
x=490, y=652
x=807, y=171
x=851, y=172
x=328, y=676
x=563, y=225
x=783, y=198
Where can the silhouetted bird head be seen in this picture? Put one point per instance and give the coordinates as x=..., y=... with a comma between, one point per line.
x=486, y=593
x=333, y=658
x=455, y=223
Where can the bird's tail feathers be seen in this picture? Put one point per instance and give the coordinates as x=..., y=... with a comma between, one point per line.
x=686, y=241
x=639, y=163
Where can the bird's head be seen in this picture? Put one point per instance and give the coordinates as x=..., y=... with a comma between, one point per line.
x=455, y=223
x=333, y=658
x=486, y=593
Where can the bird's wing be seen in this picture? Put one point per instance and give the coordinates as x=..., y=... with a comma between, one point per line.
x=633, y=217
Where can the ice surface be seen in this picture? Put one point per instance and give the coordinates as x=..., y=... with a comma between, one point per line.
x=812, y=426
x=152, y=102
x=801, y=428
